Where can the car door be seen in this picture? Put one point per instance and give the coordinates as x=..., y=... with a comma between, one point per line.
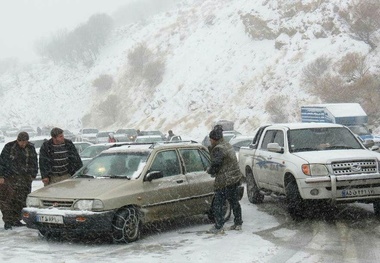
x=201, y=184
x=168, y=193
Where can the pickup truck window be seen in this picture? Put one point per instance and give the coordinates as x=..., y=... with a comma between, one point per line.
x=314, y=139
x=273, y=136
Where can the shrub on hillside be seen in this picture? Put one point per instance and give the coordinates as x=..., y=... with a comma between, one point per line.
x=146, y=64
x=365, y=21
x=103, y=83
x=276, y=106
x=352, y=66
x=256, y=27
x=109, y=109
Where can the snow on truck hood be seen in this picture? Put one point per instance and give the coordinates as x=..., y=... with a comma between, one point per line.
x=337, y=155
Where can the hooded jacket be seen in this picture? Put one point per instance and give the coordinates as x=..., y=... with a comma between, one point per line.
x=224, y=165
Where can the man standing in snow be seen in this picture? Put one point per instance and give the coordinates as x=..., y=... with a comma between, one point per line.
x=225, y=168
x=59, y=159
x=18, y=168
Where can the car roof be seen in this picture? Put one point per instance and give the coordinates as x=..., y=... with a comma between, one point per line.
x=148, y=147
x=303, y=125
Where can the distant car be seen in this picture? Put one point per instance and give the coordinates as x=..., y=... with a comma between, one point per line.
x=149, y=139
x=102, y=136
x=37, y=142
x=12, y=132
x=2, y=137
x=125, y=188
x=80, y=146
x=227, y=135
x=153, y=132
x=93, y=150
x=240, y=140
x=69, y=135
x=88, y=134
x=125, y=135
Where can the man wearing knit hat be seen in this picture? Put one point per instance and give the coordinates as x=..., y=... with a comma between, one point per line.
x=18, y=167
x=225, y=168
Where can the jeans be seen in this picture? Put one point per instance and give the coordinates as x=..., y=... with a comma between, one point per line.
x=231, y=194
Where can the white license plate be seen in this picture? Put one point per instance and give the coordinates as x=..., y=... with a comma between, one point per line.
x=51, y=219
x=358, y=192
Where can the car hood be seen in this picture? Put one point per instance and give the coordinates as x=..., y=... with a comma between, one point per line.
x=336, y=155
x=80, y=188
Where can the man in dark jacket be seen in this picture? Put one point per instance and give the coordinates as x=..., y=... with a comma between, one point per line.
x=225, y=168
x=18, y=167
x=59, y=159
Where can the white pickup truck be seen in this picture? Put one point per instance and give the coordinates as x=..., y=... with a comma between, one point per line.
x=310, y=161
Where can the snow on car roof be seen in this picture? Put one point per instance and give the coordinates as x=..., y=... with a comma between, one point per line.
x=303, y=125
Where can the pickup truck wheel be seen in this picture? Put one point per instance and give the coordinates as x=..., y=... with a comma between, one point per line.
x=295, y=202
x=376, y=208
x=126, y=226
x=253, y=191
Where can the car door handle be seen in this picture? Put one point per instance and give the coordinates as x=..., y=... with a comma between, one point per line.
x=179, y=181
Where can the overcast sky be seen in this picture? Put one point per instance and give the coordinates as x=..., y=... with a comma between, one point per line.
x=22, y=22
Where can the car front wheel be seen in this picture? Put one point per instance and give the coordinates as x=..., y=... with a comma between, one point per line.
x=126, y=226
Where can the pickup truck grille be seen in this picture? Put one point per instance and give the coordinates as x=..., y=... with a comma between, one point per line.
x=354, y=167
x=58, y=204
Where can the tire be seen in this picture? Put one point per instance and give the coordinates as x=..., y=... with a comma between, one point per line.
x=294, y=200
x=226, y=210
x=376, y=208
x=253, y=191
x=126, y=226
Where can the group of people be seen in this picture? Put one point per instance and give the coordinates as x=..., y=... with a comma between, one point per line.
x=58, y=160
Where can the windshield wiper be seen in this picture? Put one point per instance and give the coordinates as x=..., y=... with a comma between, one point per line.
x=120, y=177
x=340, y=147
x=85, y=176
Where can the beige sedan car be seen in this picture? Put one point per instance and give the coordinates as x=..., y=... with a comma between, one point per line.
x=124, y=188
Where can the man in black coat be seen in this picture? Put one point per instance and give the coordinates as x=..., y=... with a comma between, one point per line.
x=59, y=159
x=18, y=168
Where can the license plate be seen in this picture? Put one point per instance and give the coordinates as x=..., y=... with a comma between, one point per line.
x=51, y=219
x=357, y=192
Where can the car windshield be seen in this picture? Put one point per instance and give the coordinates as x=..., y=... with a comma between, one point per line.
x=116, y=165
x=314, y=139
x=92, y=151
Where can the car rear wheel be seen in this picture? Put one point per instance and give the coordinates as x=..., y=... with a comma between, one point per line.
x=253, y=191
x=126, y=226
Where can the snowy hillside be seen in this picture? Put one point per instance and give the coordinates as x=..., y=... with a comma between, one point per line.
x=213, y=69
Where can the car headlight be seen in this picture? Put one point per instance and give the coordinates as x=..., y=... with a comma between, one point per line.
x=314, y=169
x=89, y=205
x=32, y=202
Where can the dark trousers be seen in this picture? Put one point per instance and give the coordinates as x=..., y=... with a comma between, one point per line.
x=13, y=194
x=231, y=194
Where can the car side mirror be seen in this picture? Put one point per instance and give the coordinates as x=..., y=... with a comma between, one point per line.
x=368, y=143
x=275, y=147
x=153, y=175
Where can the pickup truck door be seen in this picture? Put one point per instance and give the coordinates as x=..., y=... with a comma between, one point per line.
x=267, y=164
